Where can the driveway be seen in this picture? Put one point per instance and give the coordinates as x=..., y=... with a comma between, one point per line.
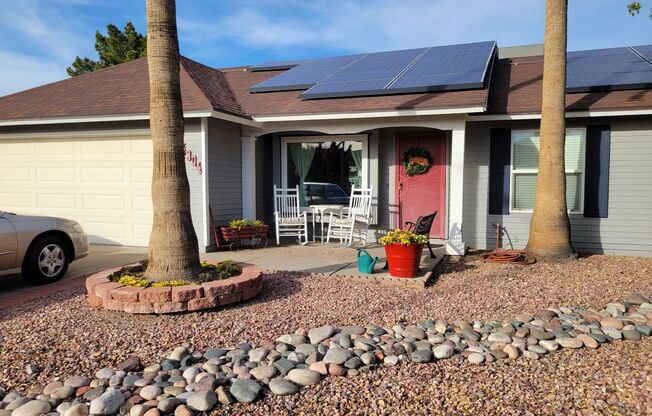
x=14, y=289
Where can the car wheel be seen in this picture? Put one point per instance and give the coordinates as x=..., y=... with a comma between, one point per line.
x=47, y=260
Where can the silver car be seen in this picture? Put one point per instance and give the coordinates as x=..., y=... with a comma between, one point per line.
x=41, y=248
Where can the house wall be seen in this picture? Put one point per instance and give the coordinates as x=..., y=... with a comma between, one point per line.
x=224, y=160
x=626, y=231
x=192, y=139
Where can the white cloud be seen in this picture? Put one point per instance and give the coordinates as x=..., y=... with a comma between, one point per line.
x=20, y=72
x=40, y=44
x=364, y=26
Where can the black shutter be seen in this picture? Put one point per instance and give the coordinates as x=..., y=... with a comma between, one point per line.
x=499, y=168
x=596, y=178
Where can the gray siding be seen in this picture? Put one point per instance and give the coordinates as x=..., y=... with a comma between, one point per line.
x=192, y=139
x=224, y=171
x=627, y=230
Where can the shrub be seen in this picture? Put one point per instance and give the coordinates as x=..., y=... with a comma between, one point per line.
x=244, y=222
x=404, y=237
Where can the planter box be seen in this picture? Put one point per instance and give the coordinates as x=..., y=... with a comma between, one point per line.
x=403, y=260
x=244, y=233
x=234, y=235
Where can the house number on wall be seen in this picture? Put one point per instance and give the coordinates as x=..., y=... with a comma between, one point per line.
x=192, y=158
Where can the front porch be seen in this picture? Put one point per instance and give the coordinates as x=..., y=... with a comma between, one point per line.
x=370, y=152
x=330, y=260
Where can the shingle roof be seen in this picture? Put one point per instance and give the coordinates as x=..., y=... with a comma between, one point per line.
x=118, y=90
x=288, y=102
x=516, y=89
x=123, y=89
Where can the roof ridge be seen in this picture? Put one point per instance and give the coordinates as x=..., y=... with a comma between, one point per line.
x=199, y=82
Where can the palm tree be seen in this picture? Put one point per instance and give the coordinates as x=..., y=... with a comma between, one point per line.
x=550, y=226
x=173, y=248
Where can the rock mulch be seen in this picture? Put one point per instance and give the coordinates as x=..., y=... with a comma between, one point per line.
x=188, y=382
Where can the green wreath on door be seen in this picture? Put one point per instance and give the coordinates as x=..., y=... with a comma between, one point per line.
x=417, y=161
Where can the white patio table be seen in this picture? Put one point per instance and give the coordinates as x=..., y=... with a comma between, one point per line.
x=322, y=209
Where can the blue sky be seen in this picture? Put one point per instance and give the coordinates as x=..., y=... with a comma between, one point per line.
x=40, y=38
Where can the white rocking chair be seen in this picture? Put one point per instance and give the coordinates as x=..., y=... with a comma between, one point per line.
x=289, y=220
x=353, y=222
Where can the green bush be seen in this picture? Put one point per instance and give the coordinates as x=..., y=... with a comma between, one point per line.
x=244, y=222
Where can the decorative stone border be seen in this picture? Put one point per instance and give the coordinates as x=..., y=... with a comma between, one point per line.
x=106, y=294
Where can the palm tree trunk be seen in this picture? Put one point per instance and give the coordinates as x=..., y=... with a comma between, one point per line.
x=173, y=248
x=550, y=226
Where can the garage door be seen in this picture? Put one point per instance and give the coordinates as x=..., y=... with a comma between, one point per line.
x=101, y=182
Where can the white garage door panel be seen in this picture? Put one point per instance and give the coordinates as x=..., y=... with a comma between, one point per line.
x=104, y=183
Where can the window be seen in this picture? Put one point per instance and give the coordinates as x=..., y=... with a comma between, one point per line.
x=525, y=166
x=325, y=167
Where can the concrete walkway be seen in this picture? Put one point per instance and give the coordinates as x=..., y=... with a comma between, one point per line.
x=331, y=259
x=14, y=289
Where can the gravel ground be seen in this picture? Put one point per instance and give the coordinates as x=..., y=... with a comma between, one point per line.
x=61, y=335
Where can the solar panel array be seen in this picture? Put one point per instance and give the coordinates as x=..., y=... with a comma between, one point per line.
x=608, y=69
x=277, y=65
x=304, y=76
x=442, y=68
x=410, y=70
x=365, y=76
x=447, y=68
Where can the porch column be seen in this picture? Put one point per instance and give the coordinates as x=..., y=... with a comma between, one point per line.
x=248, y=177
x=455, y=245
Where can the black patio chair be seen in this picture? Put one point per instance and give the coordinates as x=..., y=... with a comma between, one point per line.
x=422, y=227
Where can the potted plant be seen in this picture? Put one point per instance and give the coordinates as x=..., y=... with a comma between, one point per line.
x=403, y=249
x=245, y=229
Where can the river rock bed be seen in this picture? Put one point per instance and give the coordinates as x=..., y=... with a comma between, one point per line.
x=188, y=382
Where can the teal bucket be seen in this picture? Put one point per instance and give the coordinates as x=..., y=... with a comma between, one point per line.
x=366, y=263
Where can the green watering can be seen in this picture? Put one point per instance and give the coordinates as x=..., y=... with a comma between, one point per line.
x=366, y=263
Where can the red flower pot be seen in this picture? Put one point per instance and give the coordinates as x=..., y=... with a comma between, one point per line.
x=403, y=260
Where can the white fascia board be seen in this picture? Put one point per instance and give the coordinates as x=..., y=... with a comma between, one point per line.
x=78, y=134
x=371, y=114
x=234, y=119
x=570, y=114
x=121, y=117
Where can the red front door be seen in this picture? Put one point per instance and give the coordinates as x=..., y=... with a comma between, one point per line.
x=418, y=195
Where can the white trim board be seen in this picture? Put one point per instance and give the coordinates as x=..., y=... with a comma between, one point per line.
x=569, y=114
x=122, y=117
x=371, y=114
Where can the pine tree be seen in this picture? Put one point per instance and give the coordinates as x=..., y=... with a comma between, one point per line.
x=115, y=48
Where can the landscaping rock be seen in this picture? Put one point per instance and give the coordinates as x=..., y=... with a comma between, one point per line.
x=421, y=356
x=317, y=335
x=264, y=372
x=283, y=387
x=246, y=391
x=108, y=403
x=32, y=408
x=130, y=364
x=573, y=343
x=202, y=401
x=443, y=351
x=80, y=409
x=304, y=377
x=476, y=358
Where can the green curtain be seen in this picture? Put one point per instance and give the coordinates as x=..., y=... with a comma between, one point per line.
x=302, y=158
x=357, y=159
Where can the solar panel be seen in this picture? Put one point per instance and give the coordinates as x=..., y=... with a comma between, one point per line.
x=368, y=75
x=447, y=68
x=645, y=51
x=305, y=75
x=276, y=65
x=607, y=69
